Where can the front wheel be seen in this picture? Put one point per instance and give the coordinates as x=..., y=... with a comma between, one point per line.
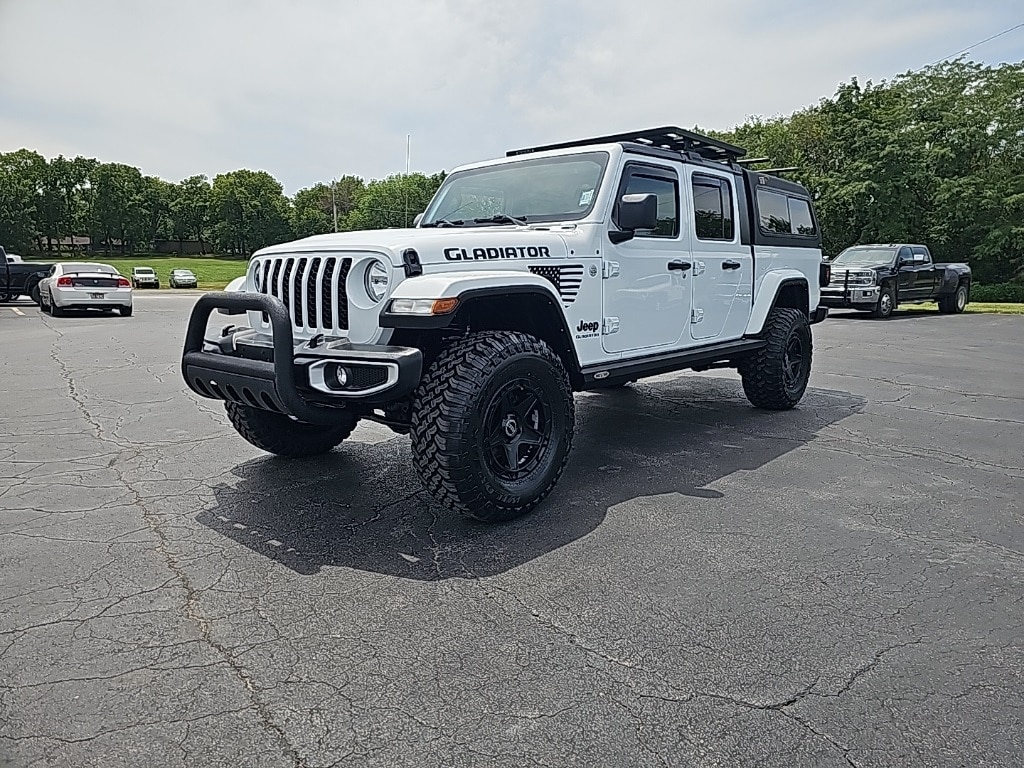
x=886, y=303
x=492, y=425
x=278, y=434
x=775, y=377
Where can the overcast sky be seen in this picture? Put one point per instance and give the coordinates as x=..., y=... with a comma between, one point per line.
x=310, y=89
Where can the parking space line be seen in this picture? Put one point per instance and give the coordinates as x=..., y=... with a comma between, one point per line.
x=17, y=311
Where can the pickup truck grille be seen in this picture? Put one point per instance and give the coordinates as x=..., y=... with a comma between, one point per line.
x=311, y=287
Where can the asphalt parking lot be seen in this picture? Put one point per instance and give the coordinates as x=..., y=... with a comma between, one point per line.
x=709, y=585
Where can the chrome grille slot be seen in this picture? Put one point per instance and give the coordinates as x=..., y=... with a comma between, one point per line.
x=312, y=288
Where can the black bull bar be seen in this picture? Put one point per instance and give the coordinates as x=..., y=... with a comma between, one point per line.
x=271, y=386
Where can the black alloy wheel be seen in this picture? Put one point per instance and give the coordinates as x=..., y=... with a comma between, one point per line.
x=517, y=429
x=795, y=361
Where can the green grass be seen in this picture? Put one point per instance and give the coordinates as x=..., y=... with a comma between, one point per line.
x=977, y=307
x=212, y=273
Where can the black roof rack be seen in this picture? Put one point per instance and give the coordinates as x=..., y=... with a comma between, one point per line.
x=671, y=138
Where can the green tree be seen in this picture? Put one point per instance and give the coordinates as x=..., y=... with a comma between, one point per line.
x=22, y=178
x=190, y=205
x=250, y=211
x=394, y=201
x=313, y=209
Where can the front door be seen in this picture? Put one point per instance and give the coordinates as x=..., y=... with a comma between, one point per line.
x=924, y=273
x=647, y=286
x=723, y=268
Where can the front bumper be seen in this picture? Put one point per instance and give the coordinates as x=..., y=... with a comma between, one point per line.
x=276, y=374
x=850, y=297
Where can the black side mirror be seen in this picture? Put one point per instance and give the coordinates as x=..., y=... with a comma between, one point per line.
x=904, y=261
x=637, y=211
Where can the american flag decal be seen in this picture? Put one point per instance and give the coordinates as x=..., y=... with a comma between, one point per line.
x=566, y=279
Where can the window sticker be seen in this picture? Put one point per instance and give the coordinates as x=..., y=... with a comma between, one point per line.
x=586, y=197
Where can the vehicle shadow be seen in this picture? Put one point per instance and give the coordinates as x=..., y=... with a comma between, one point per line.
x=363, y=507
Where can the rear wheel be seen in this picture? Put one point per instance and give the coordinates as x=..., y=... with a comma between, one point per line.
x=278, y=434
x=55, y=311
x=125, y=311
x=492, y=424
x=775, y=377
x=955, y=304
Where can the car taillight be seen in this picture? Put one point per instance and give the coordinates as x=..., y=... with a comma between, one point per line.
x=122, y=282
x=63, y=282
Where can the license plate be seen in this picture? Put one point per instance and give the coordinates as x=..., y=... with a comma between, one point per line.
x=96, y=295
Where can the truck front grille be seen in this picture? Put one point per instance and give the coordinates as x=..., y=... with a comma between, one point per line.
x=311, y=287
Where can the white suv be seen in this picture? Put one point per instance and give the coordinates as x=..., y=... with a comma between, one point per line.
x=556, y=269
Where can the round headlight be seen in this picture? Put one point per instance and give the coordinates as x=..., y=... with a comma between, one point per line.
x=376, y=280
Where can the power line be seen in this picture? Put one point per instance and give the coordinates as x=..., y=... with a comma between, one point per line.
x=980, y=42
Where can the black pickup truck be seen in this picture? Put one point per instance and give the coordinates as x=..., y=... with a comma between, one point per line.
x=20, y=278
x=878, y=278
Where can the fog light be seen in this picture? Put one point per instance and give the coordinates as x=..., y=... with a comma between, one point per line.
x=337, y=376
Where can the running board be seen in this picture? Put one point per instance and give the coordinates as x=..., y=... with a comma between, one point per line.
x=596, y=376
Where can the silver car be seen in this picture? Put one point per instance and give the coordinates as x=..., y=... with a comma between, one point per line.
x=85, y=285
x=183, y=278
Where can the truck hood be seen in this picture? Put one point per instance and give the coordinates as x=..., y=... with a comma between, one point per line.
x=442, y=246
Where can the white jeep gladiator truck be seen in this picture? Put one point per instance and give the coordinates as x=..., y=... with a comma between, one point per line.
x=577, y=266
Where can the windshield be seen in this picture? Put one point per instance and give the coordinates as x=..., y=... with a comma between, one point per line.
x=144, y=270
x=867, y=257
x=182, y=272
x=69, y=268
x=542, y=189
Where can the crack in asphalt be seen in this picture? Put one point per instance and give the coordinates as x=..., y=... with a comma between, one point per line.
x=192, y=595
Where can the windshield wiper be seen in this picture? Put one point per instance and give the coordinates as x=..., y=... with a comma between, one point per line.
x=502, y=218
x=443, y=223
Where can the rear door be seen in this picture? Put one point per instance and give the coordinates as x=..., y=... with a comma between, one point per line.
x=723, y=268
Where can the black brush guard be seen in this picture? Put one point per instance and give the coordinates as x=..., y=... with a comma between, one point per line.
x=272, y=386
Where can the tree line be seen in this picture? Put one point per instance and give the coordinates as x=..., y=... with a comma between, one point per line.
x=44, y=202
x=933, y=156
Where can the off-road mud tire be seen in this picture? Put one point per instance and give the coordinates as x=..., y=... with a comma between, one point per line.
x=764, y=372
x=278, y=434
x=456, y=402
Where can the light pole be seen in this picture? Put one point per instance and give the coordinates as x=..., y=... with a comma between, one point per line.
x=334, y=204
x=405, y=185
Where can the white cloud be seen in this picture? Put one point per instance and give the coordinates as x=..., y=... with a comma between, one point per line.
x=308, y=90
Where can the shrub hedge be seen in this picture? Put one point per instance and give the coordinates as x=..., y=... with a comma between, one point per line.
x=999, y=293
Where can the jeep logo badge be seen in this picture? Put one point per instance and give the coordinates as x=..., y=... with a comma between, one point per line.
x=585, y=327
